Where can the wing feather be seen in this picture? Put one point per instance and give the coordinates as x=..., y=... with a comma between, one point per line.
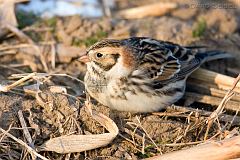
x=164, y=62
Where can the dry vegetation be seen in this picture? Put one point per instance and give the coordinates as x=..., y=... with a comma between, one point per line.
x=43, y=111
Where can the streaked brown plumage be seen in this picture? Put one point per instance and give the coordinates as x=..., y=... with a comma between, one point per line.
x=140, y=74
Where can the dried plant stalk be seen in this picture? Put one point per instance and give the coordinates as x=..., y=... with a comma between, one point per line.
x=222, y=81
x=20, y=81
x=25, y=130
x=29, y=149
x=222, y=118
x=221, y=150
x=232, y=105
x=222, y=105
x=205, y=88
x=156, y=9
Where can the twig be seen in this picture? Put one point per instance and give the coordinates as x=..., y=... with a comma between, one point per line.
x=9, y=87
x=14, y=76
x=26, y=132
x=143, y=144
x=17, y=65
x=232, y=105
x=9, y=67
x=29, y=149
x=37, y=29
x=134, y=134
x=8, y=47
x=129, y=140
x=223, y=117
x=23, y=45
x=24, y=37
x=8, y=53
x=221, y=106
x=53, y=56
x=148, y=134
x=181, y=144
x=9, y=128
x=25, y=129
x=172, y=114
x=234, y=118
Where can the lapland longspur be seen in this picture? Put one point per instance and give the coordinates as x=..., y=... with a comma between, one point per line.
x=140, y=74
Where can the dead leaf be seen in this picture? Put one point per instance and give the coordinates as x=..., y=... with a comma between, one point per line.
x=80, y=143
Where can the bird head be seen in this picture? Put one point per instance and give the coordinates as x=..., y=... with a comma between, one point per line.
x=110, y=57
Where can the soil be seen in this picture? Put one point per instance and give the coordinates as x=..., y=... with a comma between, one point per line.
x=64, y=114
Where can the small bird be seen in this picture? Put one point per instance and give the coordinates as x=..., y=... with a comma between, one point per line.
x=141, y=74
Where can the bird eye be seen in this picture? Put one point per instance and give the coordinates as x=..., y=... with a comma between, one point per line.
x=99, y=55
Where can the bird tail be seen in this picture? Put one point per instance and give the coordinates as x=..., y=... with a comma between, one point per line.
x=213, y=55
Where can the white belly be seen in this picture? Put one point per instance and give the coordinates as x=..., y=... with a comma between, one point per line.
x=139, y=102
x=142, y=103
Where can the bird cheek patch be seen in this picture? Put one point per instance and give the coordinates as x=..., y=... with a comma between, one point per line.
x=109, y=65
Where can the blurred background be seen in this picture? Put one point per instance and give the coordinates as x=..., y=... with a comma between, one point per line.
x=80, y=23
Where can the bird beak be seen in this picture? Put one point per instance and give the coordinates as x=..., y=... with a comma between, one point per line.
x=84, y=59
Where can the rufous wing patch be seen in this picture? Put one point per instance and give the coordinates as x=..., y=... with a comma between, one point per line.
x=128, y=59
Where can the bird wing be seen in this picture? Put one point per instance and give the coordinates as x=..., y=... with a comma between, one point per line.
x=164, y=62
